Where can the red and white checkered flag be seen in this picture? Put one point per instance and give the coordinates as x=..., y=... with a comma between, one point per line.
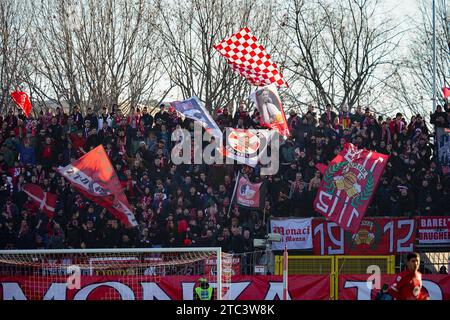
x=245, y=55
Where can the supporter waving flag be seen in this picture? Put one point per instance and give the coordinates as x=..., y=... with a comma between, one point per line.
x=22, y=101
x=348, y=186
x=93, y=176
x=45, y=200
x=246, y=56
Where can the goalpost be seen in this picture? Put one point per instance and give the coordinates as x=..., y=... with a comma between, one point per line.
x=110, y=274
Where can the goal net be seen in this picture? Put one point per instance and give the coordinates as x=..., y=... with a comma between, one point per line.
x=113, y=274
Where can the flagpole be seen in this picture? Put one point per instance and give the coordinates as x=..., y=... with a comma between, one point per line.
x=434, y=55
x=234, y=193
x=285, y=273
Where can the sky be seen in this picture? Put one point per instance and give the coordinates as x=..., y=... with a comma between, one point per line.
x=406, y=10
x=404, y=7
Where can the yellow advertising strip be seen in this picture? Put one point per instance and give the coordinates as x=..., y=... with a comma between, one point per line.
x=334, y=266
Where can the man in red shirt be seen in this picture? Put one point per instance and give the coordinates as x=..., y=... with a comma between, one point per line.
x=408, y=283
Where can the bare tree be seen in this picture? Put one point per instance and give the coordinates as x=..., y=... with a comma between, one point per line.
x=97, y=53
x=338, y=53
x=417, y=72
x=191, y=28
x=14, y=46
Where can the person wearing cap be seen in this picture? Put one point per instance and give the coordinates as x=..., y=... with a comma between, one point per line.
x=203, y=291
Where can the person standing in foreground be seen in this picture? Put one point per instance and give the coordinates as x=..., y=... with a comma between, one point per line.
x=408, y=283
x=204, y=291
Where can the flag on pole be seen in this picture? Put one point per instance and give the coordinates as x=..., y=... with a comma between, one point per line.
x=193, y=109
x=93, y=176
x=446, y=92
x=22, y=101
x=271, y=110
x=45, y=200
x=246, y=56
x=348, y=186
x=247, y=194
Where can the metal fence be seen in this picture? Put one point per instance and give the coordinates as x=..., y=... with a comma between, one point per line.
x=430, y=262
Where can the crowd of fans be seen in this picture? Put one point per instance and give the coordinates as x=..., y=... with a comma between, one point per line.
x=188, y=205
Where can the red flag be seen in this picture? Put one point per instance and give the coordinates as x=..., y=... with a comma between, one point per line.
x=348, y=186
x=446, y=92
x=321, y=167
x=22, y=101
x=93, y=176
x=45, y=200
x=245, y=55
x=250, y=195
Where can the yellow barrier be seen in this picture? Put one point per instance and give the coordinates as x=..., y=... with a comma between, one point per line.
x=333, y=266
x=309, y=265
x=359, y=265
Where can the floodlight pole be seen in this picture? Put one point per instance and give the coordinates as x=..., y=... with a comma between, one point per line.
x=434, y=55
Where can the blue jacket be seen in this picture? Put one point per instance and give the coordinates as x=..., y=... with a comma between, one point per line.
x=27, y=155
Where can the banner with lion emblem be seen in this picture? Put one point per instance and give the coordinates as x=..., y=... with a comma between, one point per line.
x=348, y=186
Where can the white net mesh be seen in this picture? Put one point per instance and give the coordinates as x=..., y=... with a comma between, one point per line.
x=109, y=275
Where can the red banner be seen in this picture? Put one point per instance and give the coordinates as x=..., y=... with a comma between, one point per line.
x=433, y=230
x=93, y=176
x=375, y=236
x=357, y=287
x=211, y=266
x=311, y=287
x=348, y=186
